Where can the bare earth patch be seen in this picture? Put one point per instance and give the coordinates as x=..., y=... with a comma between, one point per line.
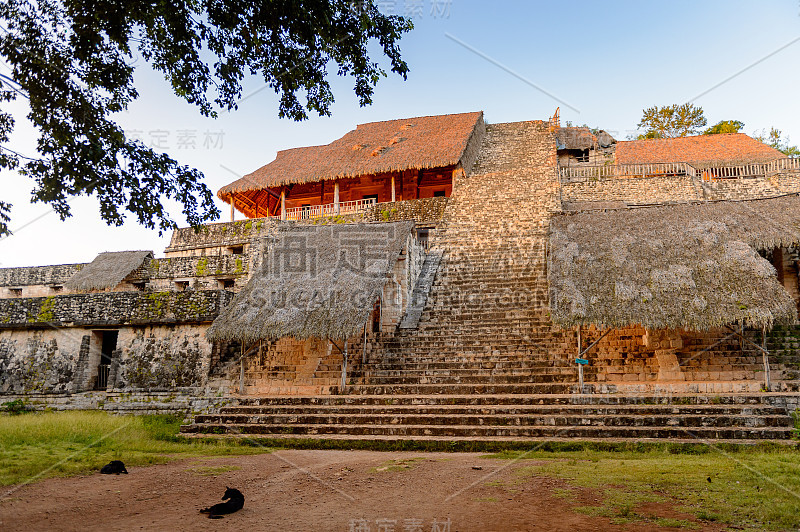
x=323, y=490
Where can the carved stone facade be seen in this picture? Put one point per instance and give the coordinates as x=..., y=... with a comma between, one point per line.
x=487, y=300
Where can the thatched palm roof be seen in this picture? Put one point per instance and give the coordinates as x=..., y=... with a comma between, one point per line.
x=373, y=148
x=313, y=281
x=724, y=149
x=681, y=266
x=107, y=270
x=575, y=138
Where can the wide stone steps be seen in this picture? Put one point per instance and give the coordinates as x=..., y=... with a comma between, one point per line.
x=498, y=408
x=379, y=371
x=460, y=388
x=500, y=420
x=509, y=432
x=675, y=400
x=505, y=417
x=471, y=378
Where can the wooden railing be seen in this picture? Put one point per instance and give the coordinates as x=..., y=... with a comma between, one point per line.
x=329, y=209
x=590, y=173
x=768, y=169
x=568, y=174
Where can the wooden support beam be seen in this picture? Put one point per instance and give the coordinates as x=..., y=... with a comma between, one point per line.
x=283, y=204
x=364, y=352
x=344, y=367
x=401, y=184
x=393, y=197
x=336, y=197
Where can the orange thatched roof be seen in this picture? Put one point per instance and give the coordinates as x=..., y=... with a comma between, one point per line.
x=703, y=150
x=377, y=147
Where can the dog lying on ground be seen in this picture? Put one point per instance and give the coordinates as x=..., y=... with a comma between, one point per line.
x=234, y=501
x=114, y=467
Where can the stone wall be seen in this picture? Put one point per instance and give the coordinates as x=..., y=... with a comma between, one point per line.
x=41, y=361
x=215, y=239
x=203, y=272
x=473, y=149
x=162, y=357
x=749, y=188
x=179, y=402
x=426, y=211
x=620, y=192
x=635, y=356
x=67, y=360
x=38, y=275
x=113, y=308
x=292, y=366
x=582, y=195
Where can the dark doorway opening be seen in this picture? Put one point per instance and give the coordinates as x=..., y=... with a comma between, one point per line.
x=108, y=344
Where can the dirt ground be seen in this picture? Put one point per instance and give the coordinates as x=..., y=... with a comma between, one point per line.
x=295, y=490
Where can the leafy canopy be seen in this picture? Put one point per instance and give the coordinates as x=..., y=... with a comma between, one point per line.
x=725, y=126
x=671, y=121
x=775, y=139
x=72, y=60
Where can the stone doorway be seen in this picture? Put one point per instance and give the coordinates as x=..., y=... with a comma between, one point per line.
x=108, y=344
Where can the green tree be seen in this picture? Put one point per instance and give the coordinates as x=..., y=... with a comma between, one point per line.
x=72, y=60
x=671, y=121
x=725, y=126
x=775, y=140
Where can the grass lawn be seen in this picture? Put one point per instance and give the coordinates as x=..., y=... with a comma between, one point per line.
x=50, y=444
x=749, y=487
x=753, y=488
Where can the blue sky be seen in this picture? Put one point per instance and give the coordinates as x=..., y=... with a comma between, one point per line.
x=601, y=62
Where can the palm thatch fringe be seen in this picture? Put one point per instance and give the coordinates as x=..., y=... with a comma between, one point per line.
x=373, y=148
x=313, y=282
x=691, y=267
x=107, y=270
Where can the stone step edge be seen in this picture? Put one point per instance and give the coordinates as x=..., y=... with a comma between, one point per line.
x=542, y=409
x=510, y=441
x=633, y=395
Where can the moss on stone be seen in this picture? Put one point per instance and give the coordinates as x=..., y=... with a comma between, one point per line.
x=46, y=310
x=157, y=304
x=202, y=267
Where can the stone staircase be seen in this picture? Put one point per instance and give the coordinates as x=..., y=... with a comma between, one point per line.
x=504, y=418
x=419, y=296
x=479, y=358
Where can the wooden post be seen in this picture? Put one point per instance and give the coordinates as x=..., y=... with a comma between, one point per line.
x=580, y=366
x=335, y=197
x=283, y=204
x=364, y=352
x=401, y=184
x=393, y=199
x=232, y=209
x=344, y=366
x=765, y=357
x=241, y=372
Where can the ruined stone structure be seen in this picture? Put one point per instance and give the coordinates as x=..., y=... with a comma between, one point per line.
x=468, y=324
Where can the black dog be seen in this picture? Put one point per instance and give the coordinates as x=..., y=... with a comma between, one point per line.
x=114, y=467
x=234, y=501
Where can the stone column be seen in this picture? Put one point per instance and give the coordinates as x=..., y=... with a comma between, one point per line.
x=114, y=370
x=80, y=380
x=335, y=197
x=665, y=343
